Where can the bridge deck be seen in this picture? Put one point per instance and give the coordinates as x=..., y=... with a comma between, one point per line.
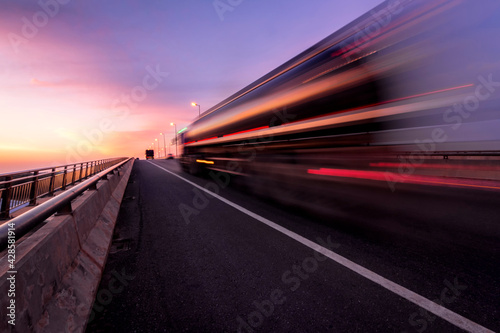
x=226, y=270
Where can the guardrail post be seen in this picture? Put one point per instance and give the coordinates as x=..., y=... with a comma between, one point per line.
x=6, y=194
x=81, y=170
x=63, y=187
x=52, y=182
x=86, y=170
x=74, y=174
x=34, y=189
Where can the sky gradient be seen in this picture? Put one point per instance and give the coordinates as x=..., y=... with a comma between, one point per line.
x=83, y=80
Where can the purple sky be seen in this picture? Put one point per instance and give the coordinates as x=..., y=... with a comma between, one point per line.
x=61, y=81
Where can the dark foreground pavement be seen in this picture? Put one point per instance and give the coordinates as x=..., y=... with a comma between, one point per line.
x=221, y=270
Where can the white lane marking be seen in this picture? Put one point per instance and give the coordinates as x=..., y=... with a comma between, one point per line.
x=438, y=310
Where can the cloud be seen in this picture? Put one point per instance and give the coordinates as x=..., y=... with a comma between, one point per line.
x=36, y=82
x=62, y=83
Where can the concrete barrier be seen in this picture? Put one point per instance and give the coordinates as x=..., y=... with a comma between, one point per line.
x=59, y=266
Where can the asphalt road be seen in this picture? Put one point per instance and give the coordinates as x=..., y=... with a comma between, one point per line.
x=182, y=261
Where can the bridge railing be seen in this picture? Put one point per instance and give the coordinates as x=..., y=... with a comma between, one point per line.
x=25, y=187
x=61, y=204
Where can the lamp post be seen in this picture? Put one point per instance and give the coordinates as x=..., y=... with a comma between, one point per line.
x=175, y=137
x=158, y=148
x=164, y=146
x=199, y=108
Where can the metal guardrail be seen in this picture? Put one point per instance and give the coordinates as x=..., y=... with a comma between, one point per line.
x=446, y=154
x=25, y=187
x=59, y=204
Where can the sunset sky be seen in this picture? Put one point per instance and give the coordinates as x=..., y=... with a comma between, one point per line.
x=82, y=80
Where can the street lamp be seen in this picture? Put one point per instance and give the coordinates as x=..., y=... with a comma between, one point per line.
x=158, y=148
x=175, y=136
x=199, y=108
x=164, y=146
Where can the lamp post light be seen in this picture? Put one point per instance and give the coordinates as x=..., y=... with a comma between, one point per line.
x=164, y=146
x=175, y=137
x=199, y=108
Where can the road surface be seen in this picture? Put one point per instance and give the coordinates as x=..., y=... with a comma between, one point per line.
x=183, y=261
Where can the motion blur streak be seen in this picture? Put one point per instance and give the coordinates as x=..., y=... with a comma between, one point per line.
x=384, y=176
x=433, y=166
x=204, y=162
x=422, y=84
x=372, y=175
x=430, y=93
x=250, y=130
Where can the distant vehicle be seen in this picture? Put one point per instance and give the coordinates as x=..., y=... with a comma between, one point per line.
x=150, y=154
x=170, y=157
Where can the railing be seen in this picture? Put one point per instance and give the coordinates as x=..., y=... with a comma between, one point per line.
x=25, y=187
x=61, y=204
x=446, y=154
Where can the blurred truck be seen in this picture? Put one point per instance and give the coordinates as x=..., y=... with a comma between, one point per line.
x=150, y=154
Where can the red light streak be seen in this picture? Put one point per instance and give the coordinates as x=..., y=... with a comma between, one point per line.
x=207, y=139
x=246, y=131
x=358, y=174
x=430, y=166
x=409, y=179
